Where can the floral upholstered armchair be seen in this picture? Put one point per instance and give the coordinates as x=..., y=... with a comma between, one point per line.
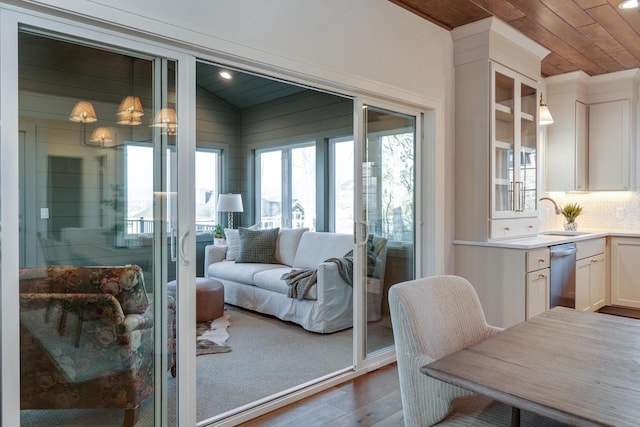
x=87, y=338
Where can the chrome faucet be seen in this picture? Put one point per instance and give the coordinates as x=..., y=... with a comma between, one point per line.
x=555, y=205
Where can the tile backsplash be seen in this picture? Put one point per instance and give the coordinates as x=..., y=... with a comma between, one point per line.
x=607, y=210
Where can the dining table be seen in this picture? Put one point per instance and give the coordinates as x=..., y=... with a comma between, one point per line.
x=579, y=368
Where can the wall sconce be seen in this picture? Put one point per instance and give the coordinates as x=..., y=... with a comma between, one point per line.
x=101, y=136
x=167, y=121
x=83, y=112
x=545, y=114
x=229, y=203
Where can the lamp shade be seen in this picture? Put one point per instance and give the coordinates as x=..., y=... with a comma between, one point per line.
x=167, y=121
x=229, y=203
x=130, y=111
x=83, y=112
x=545, y=114
x=101, y=135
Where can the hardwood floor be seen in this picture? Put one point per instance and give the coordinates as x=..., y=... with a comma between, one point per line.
x=369, y=400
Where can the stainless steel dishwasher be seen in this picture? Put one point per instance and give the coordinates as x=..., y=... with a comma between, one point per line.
x=562, y=290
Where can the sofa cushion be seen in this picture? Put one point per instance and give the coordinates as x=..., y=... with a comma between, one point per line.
x=270, y=281
x=241, y=273
x=316, y=247
x=287, y=244
x=258, y=246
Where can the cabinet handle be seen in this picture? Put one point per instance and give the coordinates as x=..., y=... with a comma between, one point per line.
x=595, y=260
x=506, y=229
x=541, y=261
x=541, y=276
x=530, y=226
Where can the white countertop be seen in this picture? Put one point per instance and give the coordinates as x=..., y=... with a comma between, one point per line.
x=545, y=238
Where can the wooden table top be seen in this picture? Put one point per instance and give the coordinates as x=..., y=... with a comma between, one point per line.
x=572, y=366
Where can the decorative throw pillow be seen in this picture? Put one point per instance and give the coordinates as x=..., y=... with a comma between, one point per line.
x=258, y=245
x=233, y=243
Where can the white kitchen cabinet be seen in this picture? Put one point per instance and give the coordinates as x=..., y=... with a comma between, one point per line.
x=589, y=145
x=512, y=284
x=537, y=292
x=625, y=271
x=609, y=145
x=537, y=282
x=497, y=147
x=591, y=280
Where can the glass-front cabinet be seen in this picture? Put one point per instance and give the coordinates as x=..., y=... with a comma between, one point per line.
x=514, y=144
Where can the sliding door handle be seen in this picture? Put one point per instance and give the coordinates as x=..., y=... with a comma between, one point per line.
x=183, y=239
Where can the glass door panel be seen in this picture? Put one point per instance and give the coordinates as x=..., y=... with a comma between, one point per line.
x=388, y=201
x=95, y=322
x=528, y=148
x=503, y=143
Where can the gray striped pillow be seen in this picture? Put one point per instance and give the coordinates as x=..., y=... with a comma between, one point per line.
x=258, y=246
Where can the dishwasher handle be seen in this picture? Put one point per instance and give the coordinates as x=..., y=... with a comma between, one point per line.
x=563, y=252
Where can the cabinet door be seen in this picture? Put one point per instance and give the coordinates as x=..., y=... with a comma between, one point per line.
x=625, y=272
x=597, y=282
x=609, y=145
x=537, y=292
x=514, y=144
x=583, y=284
x=504, y=88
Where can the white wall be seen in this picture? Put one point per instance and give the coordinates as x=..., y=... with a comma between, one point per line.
x=370, y=47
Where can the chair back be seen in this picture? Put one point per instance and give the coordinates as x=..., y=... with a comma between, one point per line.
x=125, y=283
x=431, y=318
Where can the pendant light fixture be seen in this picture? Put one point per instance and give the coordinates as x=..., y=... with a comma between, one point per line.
x=545, y=114
x=130, y=110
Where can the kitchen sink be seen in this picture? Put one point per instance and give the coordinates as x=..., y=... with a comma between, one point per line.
x=564, y=233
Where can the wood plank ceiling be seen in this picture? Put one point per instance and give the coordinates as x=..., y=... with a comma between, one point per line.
x=594, y=36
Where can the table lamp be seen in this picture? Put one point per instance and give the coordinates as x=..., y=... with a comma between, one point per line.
x=229, y=203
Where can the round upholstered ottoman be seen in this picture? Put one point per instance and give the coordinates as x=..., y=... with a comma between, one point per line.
x=209, y=298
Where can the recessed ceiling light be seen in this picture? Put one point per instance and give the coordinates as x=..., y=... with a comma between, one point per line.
x=225, y=75
x=628, y=4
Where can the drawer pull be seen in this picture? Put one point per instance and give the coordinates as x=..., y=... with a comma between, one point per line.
x=541, y=261
x=530, y=226
x=506, y=229
x=595, y=260
x=541, y=276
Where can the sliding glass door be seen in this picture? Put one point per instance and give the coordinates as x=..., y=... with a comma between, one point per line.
x=99, y=236
x=386, y=207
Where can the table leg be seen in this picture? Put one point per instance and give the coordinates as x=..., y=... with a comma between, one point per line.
x=515, y=417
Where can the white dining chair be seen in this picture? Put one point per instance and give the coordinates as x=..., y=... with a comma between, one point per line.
x=431, y=318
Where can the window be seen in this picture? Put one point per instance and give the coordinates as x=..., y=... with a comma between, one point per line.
x=341, y=198
x=208, y=180
x=286, y=186
x=139, y=209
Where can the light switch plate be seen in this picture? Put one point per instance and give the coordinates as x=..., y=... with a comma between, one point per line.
x=44, y=213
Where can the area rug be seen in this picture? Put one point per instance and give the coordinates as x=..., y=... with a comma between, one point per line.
x=212, y=336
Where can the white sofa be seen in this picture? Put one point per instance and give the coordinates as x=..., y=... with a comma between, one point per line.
x=326, y=307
